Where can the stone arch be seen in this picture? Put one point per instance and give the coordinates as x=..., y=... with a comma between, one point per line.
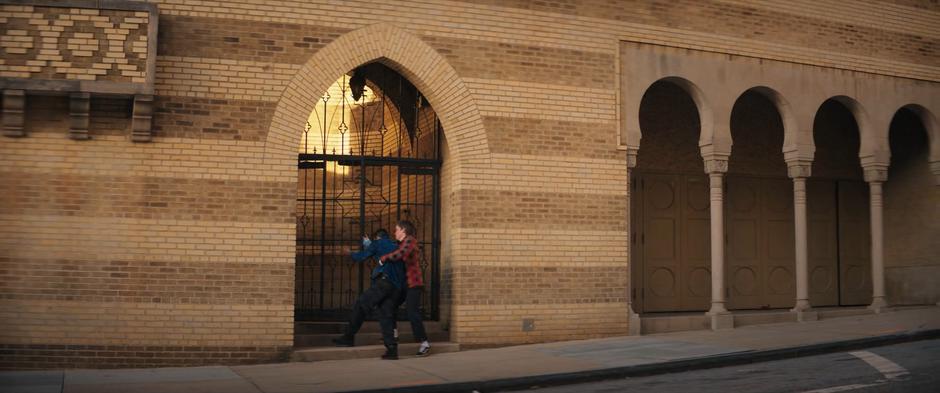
x=397, y=49
x=871, y=148
x=747, y=144
x=705, y=114
x=929, y=121
x=791, y=129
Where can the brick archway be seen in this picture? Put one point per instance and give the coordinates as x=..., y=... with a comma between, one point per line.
x=403, y=52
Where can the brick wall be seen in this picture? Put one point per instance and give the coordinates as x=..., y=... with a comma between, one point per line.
x=181, y=251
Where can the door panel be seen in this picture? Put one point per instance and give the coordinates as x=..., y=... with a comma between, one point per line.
x=759, y=256
x=695, y=273
x=778, y=243
x=660, y=242
x=822, y=243
x=674, y=242
x=854, y=243
x=742, y=250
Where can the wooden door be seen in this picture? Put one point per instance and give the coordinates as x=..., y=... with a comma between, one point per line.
x=822, y=243
x=742, y=248
x=759, y=248
x=672, y=250
x=777, y=238
x=854, y=244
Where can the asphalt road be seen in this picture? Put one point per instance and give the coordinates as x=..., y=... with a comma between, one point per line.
x=909, y=367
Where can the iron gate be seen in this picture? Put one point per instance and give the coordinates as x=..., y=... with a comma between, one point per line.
x=370, y=156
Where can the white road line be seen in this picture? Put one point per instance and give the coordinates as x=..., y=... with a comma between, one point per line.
x=890, y=369
x=842, y=388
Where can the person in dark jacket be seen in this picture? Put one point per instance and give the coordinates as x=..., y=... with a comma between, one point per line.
x=409, y=253
x=383, y=294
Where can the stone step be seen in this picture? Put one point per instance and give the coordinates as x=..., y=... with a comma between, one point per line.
x=828, y=313
x=685, y=321
x=404, y=336
x=763, y=317
x=336, y=327
x=365, y=351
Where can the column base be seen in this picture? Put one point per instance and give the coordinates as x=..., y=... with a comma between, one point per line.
x=634, y=324
x=879, y=305
x=805, y=315
x=804, y=312
x=721, y=320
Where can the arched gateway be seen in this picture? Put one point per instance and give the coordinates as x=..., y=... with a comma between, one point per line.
x=369, y=156
x=369, y=111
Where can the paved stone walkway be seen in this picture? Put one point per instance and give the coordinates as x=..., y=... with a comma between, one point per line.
x=461, y=370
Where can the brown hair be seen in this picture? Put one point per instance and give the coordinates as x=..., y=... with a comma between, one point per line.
x=408, y=227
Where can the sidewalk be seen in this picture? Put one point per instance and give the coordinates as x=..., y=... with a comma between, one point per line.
x=500, y=368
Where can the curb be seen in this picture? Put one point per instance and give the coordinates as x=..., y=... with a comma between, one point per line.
x=673, y=366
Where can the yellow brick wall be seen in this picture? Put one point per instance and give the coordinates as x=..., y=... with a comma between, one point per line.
x=534, y=184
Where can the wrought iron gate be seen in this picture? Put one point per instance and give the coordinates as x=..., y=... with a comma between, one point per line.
x=370, y=156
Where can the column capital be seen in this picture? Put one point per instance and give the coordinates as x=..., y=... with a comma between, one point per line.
x=799, y=169
x=716, y=165
x=876, y=173
x=631, y=156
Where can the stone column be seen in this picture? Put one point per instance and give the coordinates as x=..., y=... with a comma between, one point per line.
x=799, y=172
x=633, y=319
x=716, y=167
x=875, y=175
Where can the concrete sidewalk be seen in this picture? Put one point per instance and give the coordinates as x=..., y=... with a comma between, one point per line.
x=510, y=367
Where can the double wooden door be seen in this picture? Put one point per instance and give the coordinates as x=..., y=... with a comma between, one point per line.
x=671, y=243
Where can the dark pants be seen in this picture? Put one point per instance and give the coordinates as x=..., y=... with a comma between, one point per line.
x=383, y=296
x=413, y=306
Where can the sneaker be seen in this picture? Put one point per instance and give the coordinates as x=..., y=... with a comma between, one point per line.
x=424, y=349
x=391, y=353
x=342, y=341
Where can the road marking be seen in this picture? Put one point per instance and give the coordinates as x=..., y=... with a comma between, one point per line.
x=842, y=388
x=890, y=369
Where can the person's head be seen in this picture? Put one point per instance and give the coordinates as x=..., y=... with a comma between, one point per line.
x=380, y=234
x=403, y=229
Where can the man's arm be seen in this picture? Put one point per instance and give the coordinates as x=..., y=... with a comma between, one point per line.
x=406, y=247
x=365, y=254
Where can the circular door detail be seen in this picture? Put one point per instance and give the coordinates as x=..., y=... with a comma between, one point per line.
x=743, y=197
x=745, y=281
x=700, y=282
x=698, y=195
x=855, y=277
x=781, y=281
x=662, y=282
x=820, y=280
x=661, y=194
x=779, y=199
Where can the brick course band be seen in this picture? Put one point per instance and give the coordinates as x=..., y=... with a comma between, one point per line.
x=157, y=198
x=146, y=281
x=64, y=356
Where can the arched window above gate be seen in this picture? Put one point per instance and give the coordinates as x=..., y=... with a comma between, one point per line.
x=375, y=112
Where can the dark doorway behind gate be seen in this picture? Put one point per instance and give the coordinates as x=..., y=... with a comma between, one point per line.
x=369, y=157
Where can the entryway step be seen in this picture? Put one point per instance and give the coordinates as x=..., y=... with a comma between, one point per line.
x=404, y=335
x=336, y=327
x=366, y=351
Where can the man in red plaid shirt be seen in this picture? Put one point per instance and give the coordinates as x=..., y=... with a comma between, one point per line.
x=409, y=253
